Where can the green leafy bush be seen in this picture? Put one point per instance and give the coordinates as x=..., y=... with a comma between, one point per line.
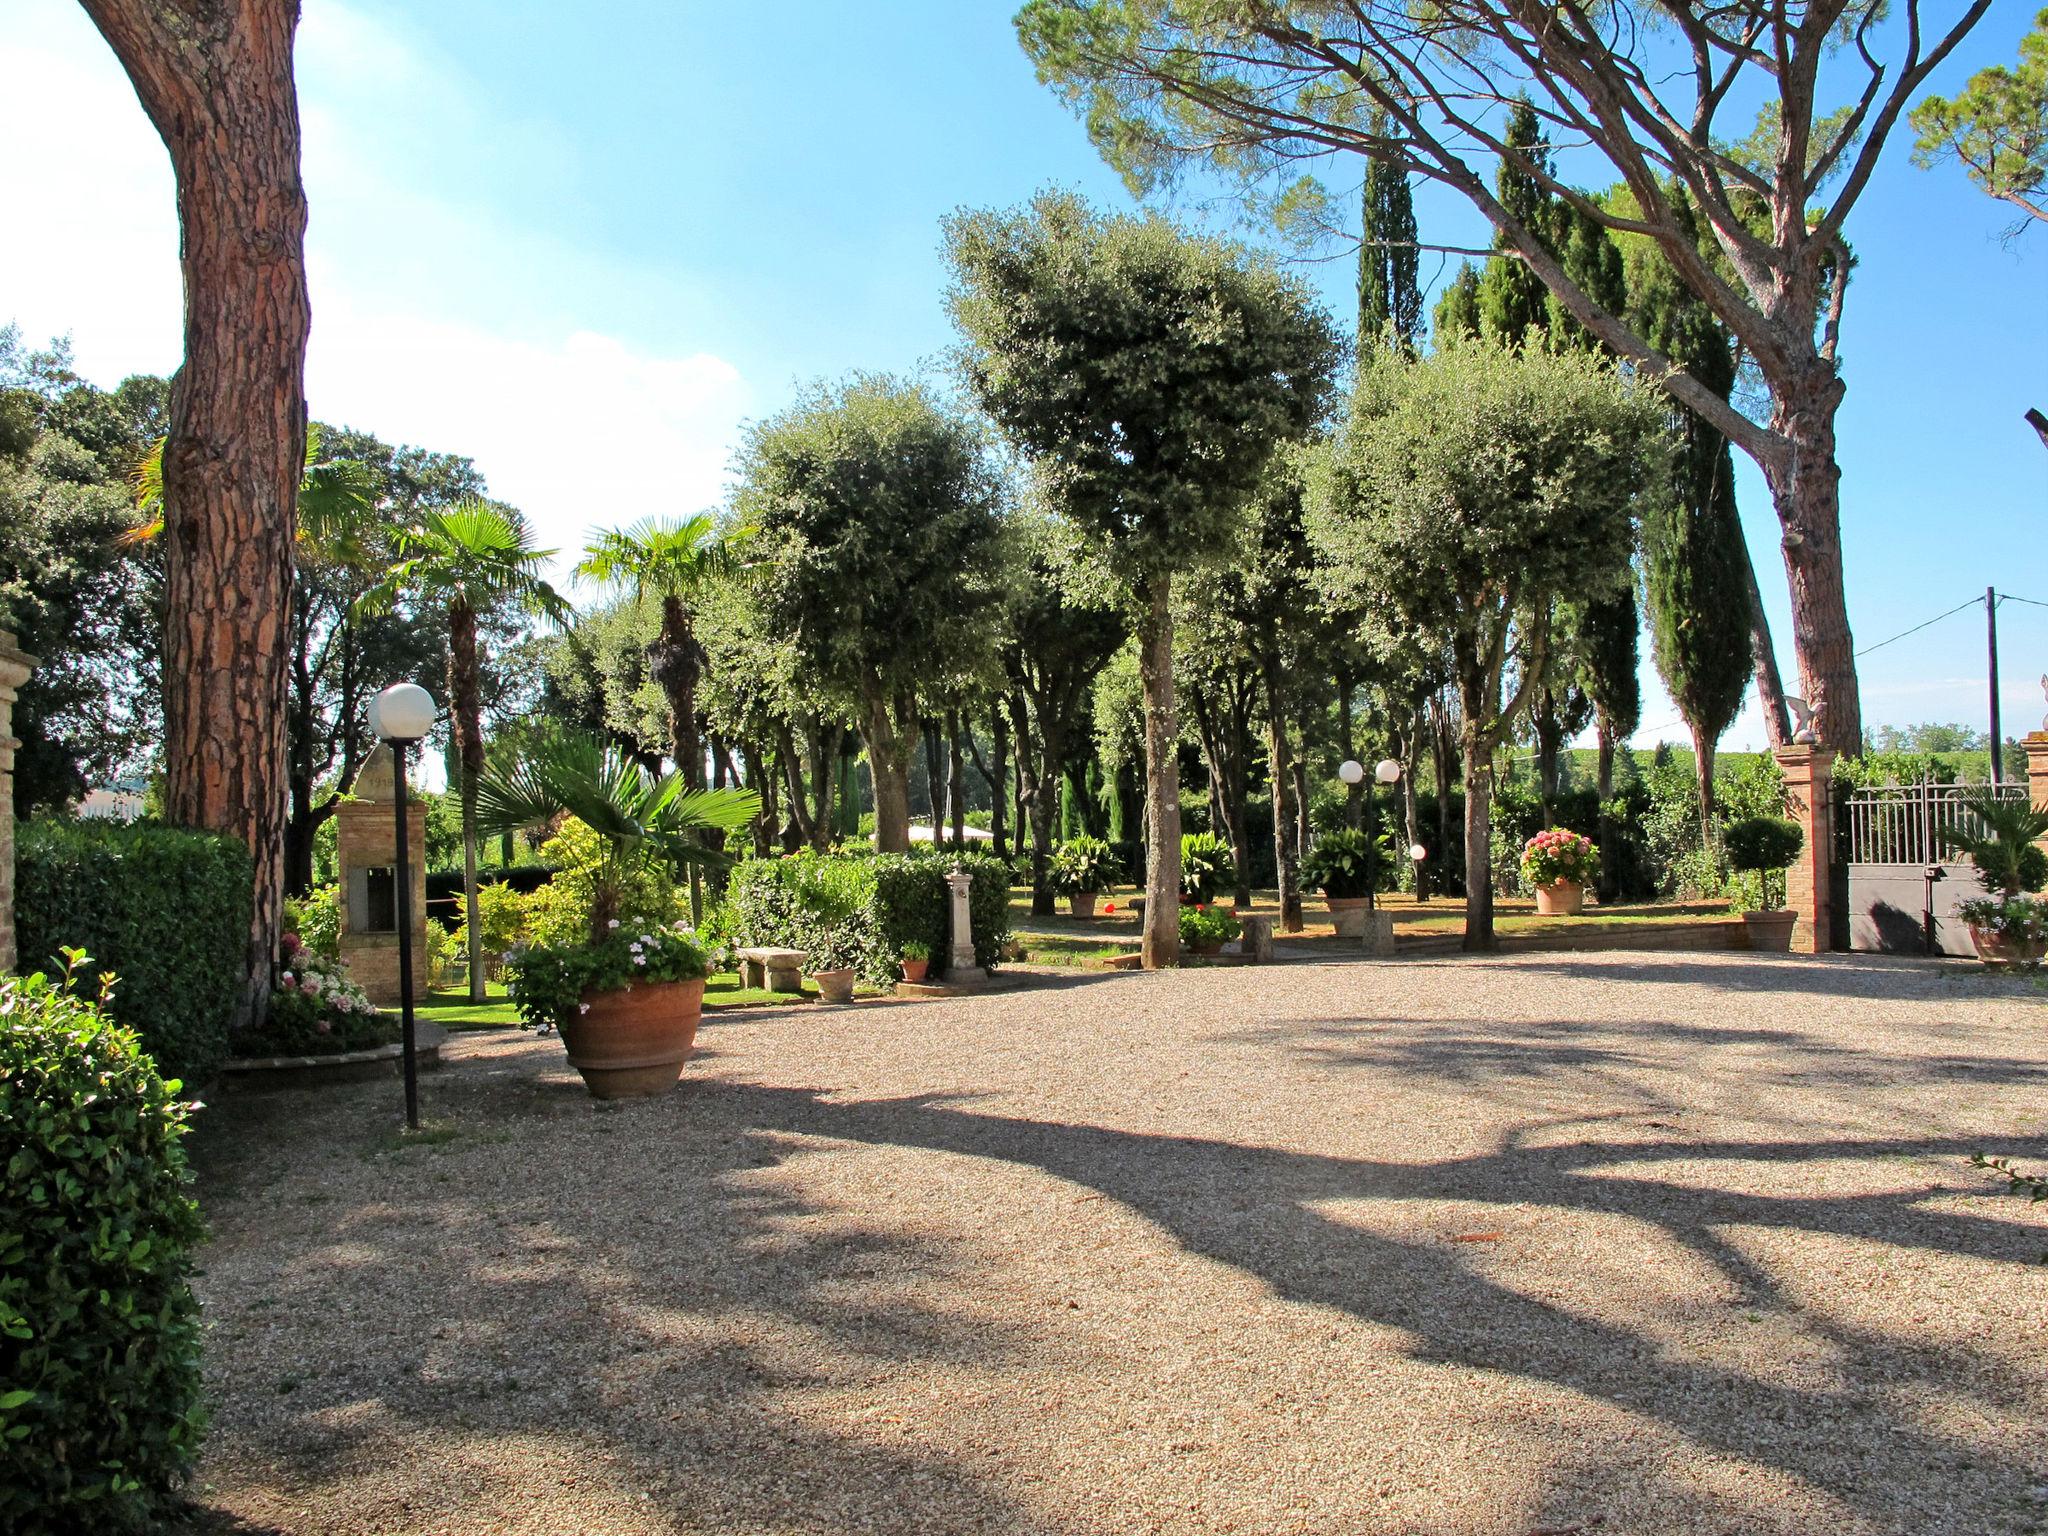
x=315, y=1010
x=1205, y=865
x=1764, y=845
x=100, y=1407
x=547, y=983
x=859, y=909
x=2005, y=852
x=316, y=918
x=1205, y=927
x=167, y=910
x=1084, y=866
x=501, y=915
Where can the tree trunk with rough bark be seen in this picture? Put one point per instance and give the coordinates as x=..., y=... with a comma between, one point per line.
x=1609, y=885
x=1770, y=686
x=675, y=663
x=216, y=82
x=1806, y=491
x=998, y=780
x=1476, y=746
x=956, y=781
x=1161, y=943
x=465, y=713
x=888, y=765
x=1286, y=829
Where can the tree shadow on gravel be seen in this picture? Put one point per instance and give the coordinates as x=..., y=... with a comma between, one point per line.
x=643, y=1312
x=1837, y=975
x=1901, y=1474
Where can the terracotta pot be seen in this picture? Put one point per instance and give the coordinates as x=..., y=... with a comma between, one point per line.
x=1211, y=947
x=1562, y=898
x=1347, y=915
x=632, y=1043
x=834, y=986
x=913, y=970
x=1770, y=930
x=1081, y=904
x=1994, y=950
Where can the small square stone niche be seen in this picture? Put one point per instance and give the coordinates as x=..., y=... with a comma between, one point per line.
x=367, y=844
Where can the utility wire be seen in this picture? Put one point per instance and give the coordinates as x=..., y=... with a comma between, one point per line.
x=2014, y=597
x=1959, y=607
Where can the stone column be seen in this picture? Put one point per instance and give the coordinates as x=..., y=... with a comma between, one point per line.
x=366, y=838
x=961, y=969
x=1809, y=884
x=15, y=666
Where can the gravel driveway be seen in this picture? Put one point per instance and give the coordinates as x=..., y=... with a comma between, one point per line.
x=1621, y=1244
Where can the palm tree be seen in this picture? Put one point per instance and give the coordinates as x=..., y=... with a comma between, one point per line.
x=672, y=559
x=470, y=559
x=2006, y=849
x=336, y=496
x=639, y=816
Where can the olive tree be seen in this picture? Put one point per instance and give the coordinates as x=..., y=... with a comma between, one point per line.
x=1468, y=491
x=878, y=518
x=1149, y=374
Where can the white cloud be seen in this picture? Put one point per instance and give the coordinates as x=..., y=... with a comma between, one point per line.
x=436, y=321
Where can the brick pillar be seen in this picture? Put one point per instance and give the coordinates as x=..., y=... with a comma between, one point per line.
x=15, y=666
x=1809, y=883
x=2035, y=744
x=366, y=837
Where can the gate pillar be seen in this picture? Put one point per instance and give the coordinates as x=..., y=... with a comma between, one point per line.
x=1809, y=884
x=2035, y=744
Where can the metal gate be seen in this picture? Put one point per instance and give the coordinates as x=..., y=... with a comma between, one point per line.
x=1904, y=882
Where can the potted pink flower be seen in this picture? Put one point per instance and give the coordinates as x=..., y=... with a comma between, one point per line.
x=1559, y=865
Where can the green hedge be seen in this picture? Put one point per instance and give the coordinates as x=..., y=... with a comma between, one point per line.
x=100, y=1406
x=165, y=910
x=860, y=909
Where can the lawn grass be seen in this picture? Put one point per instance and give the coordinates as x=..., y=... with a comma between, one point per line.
x=453, y=1010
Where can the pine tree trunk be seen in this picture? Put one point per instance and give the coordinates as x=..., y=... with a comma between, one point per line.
x=1806, y=491
x=1161, y=946
x=223, y=99
x=1286, y=830
x=1770, y=686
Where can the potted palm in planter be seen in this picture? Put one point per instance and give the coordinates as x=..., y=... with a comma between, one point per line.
x=1082, y=869
x=1341, y=866
x=1766, y=845
x=626, y=996
x=1205, y=868
x=2009, y=927
x=1559, y=865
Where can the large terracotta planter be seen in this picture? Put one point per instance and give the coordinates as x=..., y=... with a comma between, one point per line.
x=1081, y=904
x=632, y=1043
x=1994, y=950
x=914, y=970
x=1347, y=915
x=1770, y=930
x=1562, y=898
x=835, y=986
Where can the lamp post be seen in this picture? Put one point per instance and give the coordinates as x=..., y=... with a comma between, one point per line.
x=1386, y=771
x=400, y=716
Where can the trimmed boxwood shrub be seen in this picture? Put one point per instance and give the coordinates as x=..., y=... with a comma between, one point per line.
x=165, y=910
x=860, y=909
x=100, y=1408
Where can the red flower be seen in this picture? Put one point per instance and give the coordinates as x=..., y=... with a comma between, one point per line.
x=1109, y=906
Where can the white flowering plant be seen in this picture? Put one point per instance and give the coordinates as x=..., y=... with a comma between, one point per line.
x=550, y=984
x=2010, y=919
x=315, y=1009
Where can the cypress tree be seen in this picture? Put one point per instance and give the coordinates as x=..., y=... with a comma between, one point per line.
x=1513, y=301
x=1389, y=296
x=1457, y=307
x=1695, y=564
x=1608, y=670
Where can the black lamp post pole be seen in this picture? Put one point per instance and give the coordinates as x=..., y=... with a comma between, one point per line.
x=403, y=871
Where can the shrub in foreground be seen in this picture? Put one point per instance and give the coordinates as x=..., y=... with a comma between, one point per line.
x=99, y=1332
x=165, y=909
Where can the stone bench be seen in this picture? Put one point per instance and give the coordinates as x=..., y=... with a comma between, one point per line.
x=778, y=970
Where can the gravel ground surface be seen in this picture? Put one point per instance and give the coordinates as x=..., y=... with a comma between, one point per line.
x=1623, y=1244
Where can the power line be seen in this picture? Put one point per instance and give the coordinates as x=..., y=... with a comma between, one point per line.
x=2014, y=597
x=1972, y=602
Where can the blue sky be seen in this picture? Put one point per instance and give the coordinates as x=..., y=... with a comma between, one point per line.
x=583, y=244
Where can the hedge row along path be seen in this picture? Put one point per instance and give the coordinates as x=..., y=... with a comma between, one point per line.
x=1649, y=1244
